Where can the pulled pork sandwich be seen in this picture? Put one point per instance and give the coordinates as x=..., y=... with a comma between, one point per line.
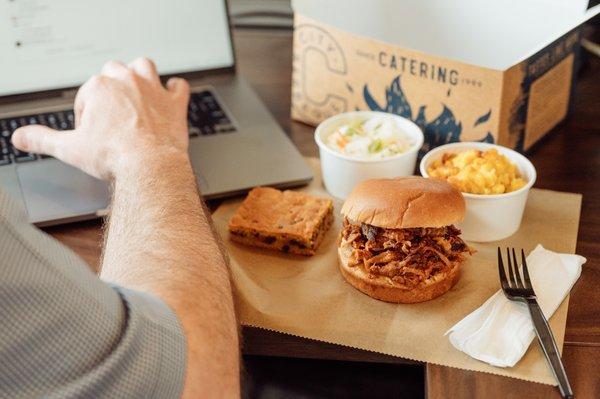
x=398, y=240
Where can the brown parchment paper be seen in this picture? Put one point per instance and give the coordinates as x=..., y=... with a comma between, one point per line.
x=307, y=297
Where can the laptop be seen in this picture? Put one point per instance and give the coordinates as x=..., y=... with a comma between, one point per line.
x=50, y=47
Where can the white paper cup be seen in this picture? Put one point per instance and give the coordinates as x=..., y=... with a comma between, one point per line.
x=342, y=172
x=489, y=217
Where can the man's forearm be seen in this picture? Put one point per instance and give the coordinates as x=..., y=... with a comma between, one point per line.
x=160, y=241
x=131, y=129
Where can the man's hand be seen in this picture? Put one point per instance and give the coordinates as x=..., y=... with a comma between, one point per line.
x=122, y=114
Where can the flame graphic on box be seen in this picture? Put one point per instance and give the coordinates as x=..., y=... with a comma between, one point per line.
x=442, y=129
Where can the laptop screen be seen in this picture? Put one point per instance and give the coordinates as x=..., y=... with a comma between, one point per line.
x=52, y=44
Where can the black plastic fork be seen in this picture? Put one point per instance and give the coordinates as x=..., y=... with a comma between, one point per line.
x=517, y=289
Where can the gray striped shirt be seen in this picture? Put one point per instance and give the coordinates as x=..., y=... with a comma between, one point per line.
x=64, y=333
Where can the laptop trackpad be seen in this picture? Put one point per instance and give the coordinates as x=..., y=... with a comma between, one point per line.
x=53, y=190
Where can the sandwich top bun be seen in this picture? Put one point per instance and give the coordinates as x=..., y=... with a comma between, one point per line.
x=404, y=202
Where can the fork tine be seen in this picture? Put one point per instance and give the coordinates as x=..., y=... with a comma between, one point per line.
x=525, y=271
x=501, y=271
x=516, y=266
x=511, y=273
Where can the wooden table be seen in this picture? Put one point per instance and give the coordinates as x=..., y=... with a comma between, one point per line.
x=568, y=160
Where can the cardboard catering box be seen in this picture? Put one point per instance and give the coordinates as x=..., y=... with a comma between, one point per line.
x=465, y=70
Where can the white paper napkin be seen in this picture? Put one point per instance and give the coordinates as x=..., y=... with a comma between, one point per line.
x=500, y=331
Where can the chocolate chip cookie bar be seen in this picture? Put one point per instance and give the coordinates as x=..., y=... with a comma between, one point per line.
x=288, y=221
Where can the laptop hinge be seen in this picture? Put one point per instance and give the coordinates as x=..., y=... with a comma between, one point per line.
x=36, y=103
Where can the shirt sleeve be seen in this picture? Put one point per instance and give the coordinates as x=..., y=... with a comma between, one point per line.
x=64, y=333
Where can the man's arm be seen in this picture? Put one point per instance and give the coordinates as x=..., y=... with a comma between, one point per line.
x=132, y=131
x=160, y=241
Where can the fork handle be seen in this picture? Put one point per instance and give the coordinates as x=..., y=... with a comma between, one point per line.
x=548, y=345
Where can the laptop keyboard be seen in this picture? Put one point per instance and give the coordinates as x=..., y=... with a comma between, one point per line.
x=205, y=117
x=61, y=120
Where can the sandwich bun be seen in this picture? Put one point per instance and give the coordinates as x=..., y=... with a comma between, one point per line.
x=401, y=203
x=404, y=202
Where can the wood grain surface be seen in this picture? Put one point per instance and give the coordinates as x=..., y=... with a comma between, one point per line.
x=567, y=160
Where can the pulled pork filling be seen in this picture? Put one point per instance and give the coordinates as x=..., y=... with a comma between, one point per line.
x=406, y=256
